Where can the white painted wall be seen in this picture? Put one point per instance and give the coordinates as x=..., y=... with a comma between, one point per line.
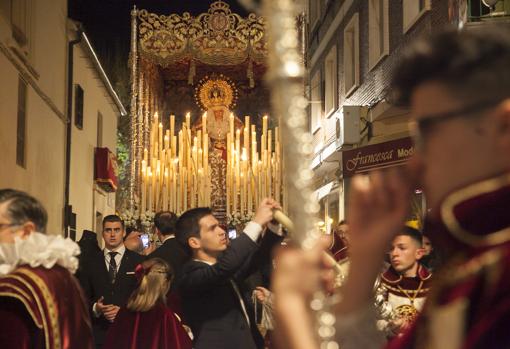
x=43, y=176
x=45, y=70
x=85, y=198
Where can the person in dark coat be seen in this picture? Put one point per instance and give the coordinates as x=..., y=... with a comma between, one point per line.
x=108, y=278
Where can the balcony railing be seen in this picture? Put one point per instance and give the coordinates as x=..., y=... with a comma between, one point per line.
x=479, y=12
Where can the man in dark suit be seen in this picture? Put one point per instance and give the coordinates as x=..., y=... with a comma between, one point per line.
x=171, y=250
x=108, y=278
x=209, y=284
x=88, y=246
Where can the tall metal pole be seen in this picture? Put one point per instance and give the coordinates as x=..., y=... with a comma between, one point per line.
x=285, y=77
x=133, y=110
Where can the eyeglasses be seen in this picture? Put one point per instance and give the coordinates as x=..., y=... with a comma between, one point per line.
x=422, y=127
x=7, y=225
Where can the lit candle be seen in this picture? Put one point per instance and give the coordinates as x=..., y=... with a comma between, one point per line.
x=179, y=191
x=172, y=125
x=201, y=187
x=254, y=150
x=246, y=139
x=198, y=139
x=269, y=142
x=260, y=181
x=229, y=169
x=234, y=191
x=204, y=123
x=206, y=154
x=244, y=178
x=231, y=124
x=250, y=194
x=185, y=191
x=268, y=161
x=165, y=191
x=247, y=134
x=238, y=142
x=157, y=188
x=188, y=121
x=167, y=141
x=174, y=146
x=160, y=136
x=174, y=185
x=143, y=201
x=149, y=180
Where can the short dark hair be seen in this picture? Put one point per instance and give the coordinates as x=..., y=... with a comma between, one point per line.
x=188, y=225
x=113, y=218
x=165, y=222
x=413, y=233
x=472, y=64
x=23, y=208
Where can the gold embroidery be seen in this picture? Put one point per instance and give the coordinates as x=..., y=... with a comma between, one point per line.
x=407, y=312
x=25, y=303
x=38, y=302
x=216, y=91
x=420, y=291
x=218, y=37
x=453, y=273
x=52, y=311
x=471, y=191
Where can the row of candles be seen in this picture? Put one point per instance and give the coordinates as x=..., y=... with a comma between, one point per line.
x=253, y=169
x=175, y=169
x=176, y=175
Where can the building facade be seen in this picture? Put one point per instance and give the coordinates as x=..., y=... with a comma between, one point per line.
x=35, y=107
x=95, y=109
x=352, y=48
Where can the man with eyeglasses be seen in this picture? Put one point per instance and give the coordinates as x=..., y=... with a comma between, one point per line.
x=457, y=85
x=41, y=303
x=108, y=279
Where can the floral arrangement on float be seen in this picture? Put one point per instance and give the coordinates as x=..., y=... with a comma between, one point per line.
x=136, y=221
x=236, y=219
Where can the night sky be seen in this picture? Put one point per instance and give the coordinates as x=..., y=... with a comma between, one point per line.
x=107, y=22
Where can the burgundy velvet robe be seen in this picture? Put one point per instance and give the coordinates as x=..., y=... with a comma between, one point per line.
x=468, y=306
x=43, y=308
x=157, y=328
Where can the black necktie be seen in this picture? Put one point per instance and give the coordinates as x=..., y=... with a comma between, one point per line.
x=112, y=270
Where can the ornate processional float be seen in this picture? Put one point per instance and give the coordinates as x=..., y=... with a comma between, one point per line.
x=213, y=158
x=191, y=76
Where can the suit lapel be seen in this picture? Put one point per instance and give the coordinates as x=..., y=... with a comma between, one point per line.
x=123, y=267
x=102, y=266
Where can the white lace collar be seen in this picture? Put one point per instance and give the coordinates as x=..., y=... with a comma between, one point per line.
x=39, y=250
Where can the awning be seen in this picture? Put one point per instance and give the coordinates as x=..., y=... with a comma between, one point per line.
x=324, y=190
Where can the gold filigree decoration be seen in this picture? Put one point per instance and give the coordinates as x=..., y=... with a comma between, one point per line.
x=406, y=312
x=218, y=37
x=216, y=91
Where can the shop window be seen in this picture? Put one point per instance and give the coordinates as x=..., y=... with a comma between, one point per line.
x=99, y=141
x=21, y=123
x=330, y=86
x=351, y=55
x=78, y=106
x=413, y=10
x=378, y=31
x=316, y=102
x=20, y=22
x=315, y=12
